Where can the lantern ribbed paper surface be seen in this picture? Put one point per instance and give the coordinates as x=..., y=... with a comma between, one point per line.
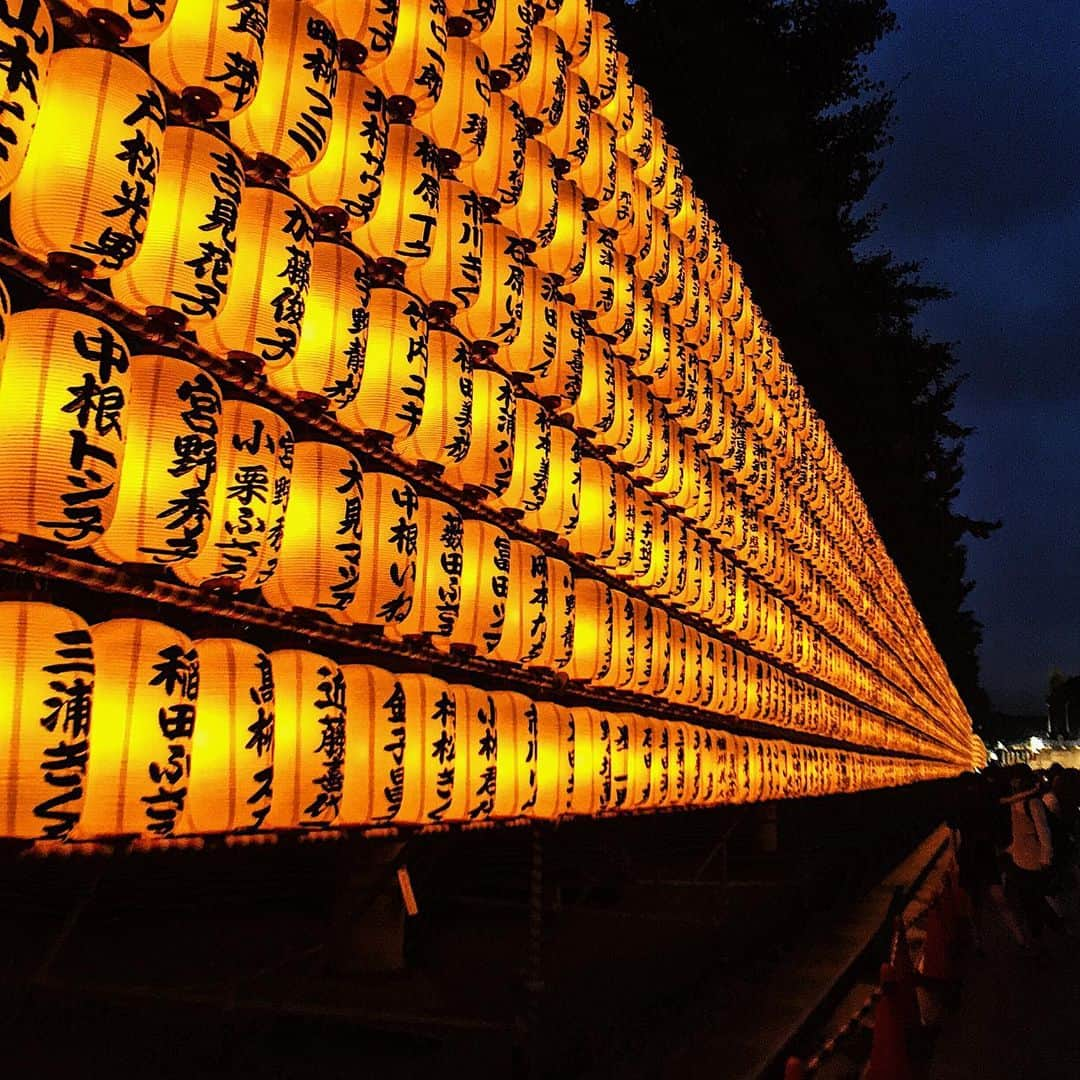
x=185, y=261
x=26, y=31
x=564, y=254
x=414, y=63
x=170, y=468
x=309, y=740
x=319, y=561
x=515, y=778
x=542, y=92
x=485, y=570
x=479, y=728
x=232, y=748
x=494, y=318
x=458, y=121
x=213, y=49
x=533, y=215
x=554, y=760
x=329, y=358
x=139, y=23
x=290, y=116
x=526, y=622
x=250, y=500
x=592, y=761
x=497, y=170
x=386, y=571
x=85, y=189
x=452, y=272
x=47, y=666
x=392, y=386
x=65, y=388
x=528, y=485
x=349, y=175
x=558, y=513
x=439, y=557
x=507, y=39
x=489, y=463
x=264, y=308
x=146, y=686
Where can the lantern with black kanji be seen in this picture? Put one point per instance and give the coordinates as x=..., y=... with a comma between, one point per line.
x=264, y=307
x=516, y=724
x=497, y=171
x=146, y=685
x=170, y=470
x=26, y=40
x=247, y=515
x=319, y=560
x=526, y=619
x=211, y=55
x=309, y=740
x=346, y=182
x=47, y=667
x=592, y=761
x=450, y=276
x=65, y=392
x=485, y=569
x=529, y=474
x=563, y=256
x=232, y=749
x=394, y=380
x=554, y=759
x=411, y=70
x=85, y=189
x=185, y=262
x=557, y=515
x=437, y=592
x=590, y=658
x=457, y=123
x=387, y=565
x=488, y=465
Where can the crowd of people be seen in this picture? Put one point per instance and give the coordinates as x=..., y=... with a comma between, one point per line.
x=1015, y=833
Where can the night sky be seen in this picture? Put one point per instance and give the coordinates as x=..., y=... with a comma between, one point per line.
x=982, y=184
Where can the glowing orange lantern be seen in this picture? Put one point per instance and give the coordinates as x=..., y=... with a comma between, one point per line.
x=489, y=463
x=564, y=255
x=590, y=658
x=457, y=123
x=25, y=31
x=485, y=562
x=498, y=170
x=85, y=190
x=64, y=394
x=412, y=65
x=526, y=622
x=47, y=666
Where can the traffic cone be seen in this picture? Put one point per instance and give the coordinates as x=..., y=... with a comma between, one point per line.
x=794, y=1069
x=889, y=1058
x=907, y=999
x=936, y=962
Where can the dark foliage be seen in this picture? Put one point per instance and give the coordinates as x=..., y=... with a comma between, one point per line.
x=783, y=131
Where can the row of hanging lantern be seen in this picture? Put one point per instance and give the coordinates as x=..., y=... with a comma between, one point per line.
x=616, y=241
x=141, y=459
x=130, y=728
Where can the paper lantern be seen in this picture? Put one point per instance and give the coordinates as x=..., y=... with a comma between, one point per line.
x=288, y=120
x=634, y=416
x=572, y=21
x=450, y=276
x=516, y=785
x=615, y=305
x=413, y=66
x=387, y=565
x=594, y=410
x=564, y=255
x=477, y=13
x=594, y=535
x=528, y=486
x=507, y=40
x=267, y=297
x=437, y=592
x=554, y=760
x=47, y=667
x=596, y=175
x=171, y=453
x=131, y=24
x=599, y=67
x=26, y=39
x=369, y=24
x=479, y=722
x=494, y=319
x=652, y=169
x=542, y=92
x=620, y=672
x=402, y=224
x=534, y=215
x=185, y=262
x=497, y=172
x=488, y=464
x=568, y=137
x=643, y=624
x=621, y=512
x=85, y=190
x=374, y=778
x=659, y=780
x=548, y=349
x=393, y=384
x=211, y=54
x=618, y=108
x=485, y=569
x=319, y=560
x=457, y=123
x=590, y=658
x=444, y=433
x=557, y=515
x=146, y=685
x=5, y=315
x=526, y=620
x=232, y=748
x=349, y=175
x=559, y=640
x=640, y=734
x=250, y=499
x=309, y=740
x=592, y=761
x=329, y=359
x=64, y=401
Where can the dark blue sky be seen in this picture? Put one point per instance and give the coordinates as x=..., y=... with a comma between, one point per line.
x=982, y=184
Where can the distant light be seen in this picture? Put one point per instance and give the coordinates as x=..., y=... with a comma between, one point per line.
x=1036, y=743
